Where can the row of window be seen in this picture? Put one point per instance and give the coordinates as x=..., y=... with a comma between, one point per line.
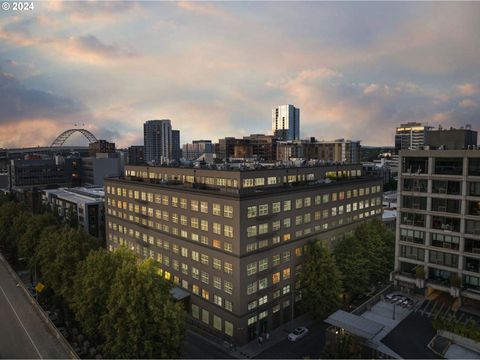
x=216, y=321
x=275, y=309
x=260, y=229
x=276, y=207
x=263, y=264
x=194, y=222
x=166, y=246
x=272, y=180
x=226, y=246
x=174, y=201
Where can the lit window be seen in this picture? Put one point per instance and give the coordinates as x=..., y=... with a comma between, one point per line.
x=228, y=267
x=263, y=210
x=251, y=211
x=216, y=209
x=228, y=211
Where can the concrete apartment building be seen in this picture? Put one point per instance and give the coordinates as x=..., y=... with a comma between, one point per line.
x=438, y=227
x=87, y=204
x=233, y=241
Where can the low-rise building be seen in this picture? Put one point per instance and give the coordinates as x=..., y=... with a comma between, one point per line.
x=85, y=203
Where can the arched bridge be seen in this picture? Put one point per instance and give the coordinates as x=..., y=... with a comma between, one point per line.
x=60, y=140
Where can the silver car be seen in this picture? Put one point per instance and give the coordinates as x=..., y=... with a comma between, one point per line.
x=298, y=333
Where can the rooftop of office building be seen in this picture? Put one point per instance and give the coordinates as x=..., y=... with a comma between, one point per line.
x=79, y=195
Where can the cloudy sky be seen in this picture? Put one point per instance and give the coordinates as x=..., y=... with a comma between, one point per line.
x=216, y=69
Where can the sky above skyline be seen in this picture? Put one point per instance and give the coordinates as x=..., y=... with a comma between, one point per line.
x=216, y=69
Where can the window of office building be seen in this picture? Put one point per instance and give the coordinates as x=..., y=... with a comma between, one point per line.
x=287, y=205
x=262, y=283
x=251, y=268
x=217, y=209
x=194, y=205
x=252, y=288
x=263, y=210
x=195, y=311
x=251, y=231
x=228, y=211
x=205, y=316
x=217, y=282
x=276, y=207
x=228, y=231
x=263, y=264
x=217, y=228
x=228, y=287
x=217, y=322
x=252, y=211
x=228, y=268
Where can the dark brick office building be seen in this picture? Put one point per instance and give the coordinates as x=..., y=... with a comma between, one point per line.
x=234, y=240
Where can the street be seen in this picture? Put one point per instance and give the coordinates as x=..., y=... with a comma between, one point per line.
x=197, y=347
x=23, y=334
x=310, y=346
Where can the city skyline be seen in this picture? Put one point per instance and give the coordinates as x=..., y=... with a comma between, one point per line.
x=355, y=70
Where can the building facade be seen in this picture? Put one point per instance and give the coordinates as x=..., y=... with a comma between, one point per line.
x=338, y=151
x=176, y=148
x=410, y=136
x=95, y=169
x=438, y=226
x=157, y=135
x=235, y=240
x=197, y=148
x=286, y=122
x=85, y=203
x=101, y=146
x=136, y=155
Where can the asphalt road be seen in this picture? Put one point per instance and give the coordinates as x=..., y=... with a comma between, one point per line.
x=197, y=347
x=23, y=334
x=311, y=346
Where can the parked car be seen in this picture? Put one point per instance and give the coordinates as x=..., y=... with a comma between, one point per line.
x=298, y=333
x=390, y=297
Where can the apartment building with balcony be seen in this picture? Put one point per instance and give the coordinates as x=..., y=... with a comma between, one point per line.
x=235, y=240
x=438, y=226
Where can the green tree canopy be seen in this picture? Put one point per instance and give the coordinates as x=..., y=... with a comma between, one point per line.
x=93, y=281
x=142, y=321
x=34, y=226
x=350, y=259
x=321, y=281
x=379, y=246
x=58, y=254
x=12, y=216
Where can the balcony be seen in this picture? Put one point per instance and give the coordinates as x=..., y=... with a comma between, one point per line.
x=446, y=224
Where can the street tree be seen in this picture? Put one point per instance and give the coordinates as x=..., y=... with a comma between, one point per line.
x=378, y=243
x=320, y=280
x=93, y=281
x=142, y=320
x=58, y=254
x=353, y=265
x=11, y=216
x=28, y=241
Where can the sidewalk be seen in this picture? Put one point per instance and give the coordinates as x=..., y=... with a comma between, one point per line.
x=253, y=348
